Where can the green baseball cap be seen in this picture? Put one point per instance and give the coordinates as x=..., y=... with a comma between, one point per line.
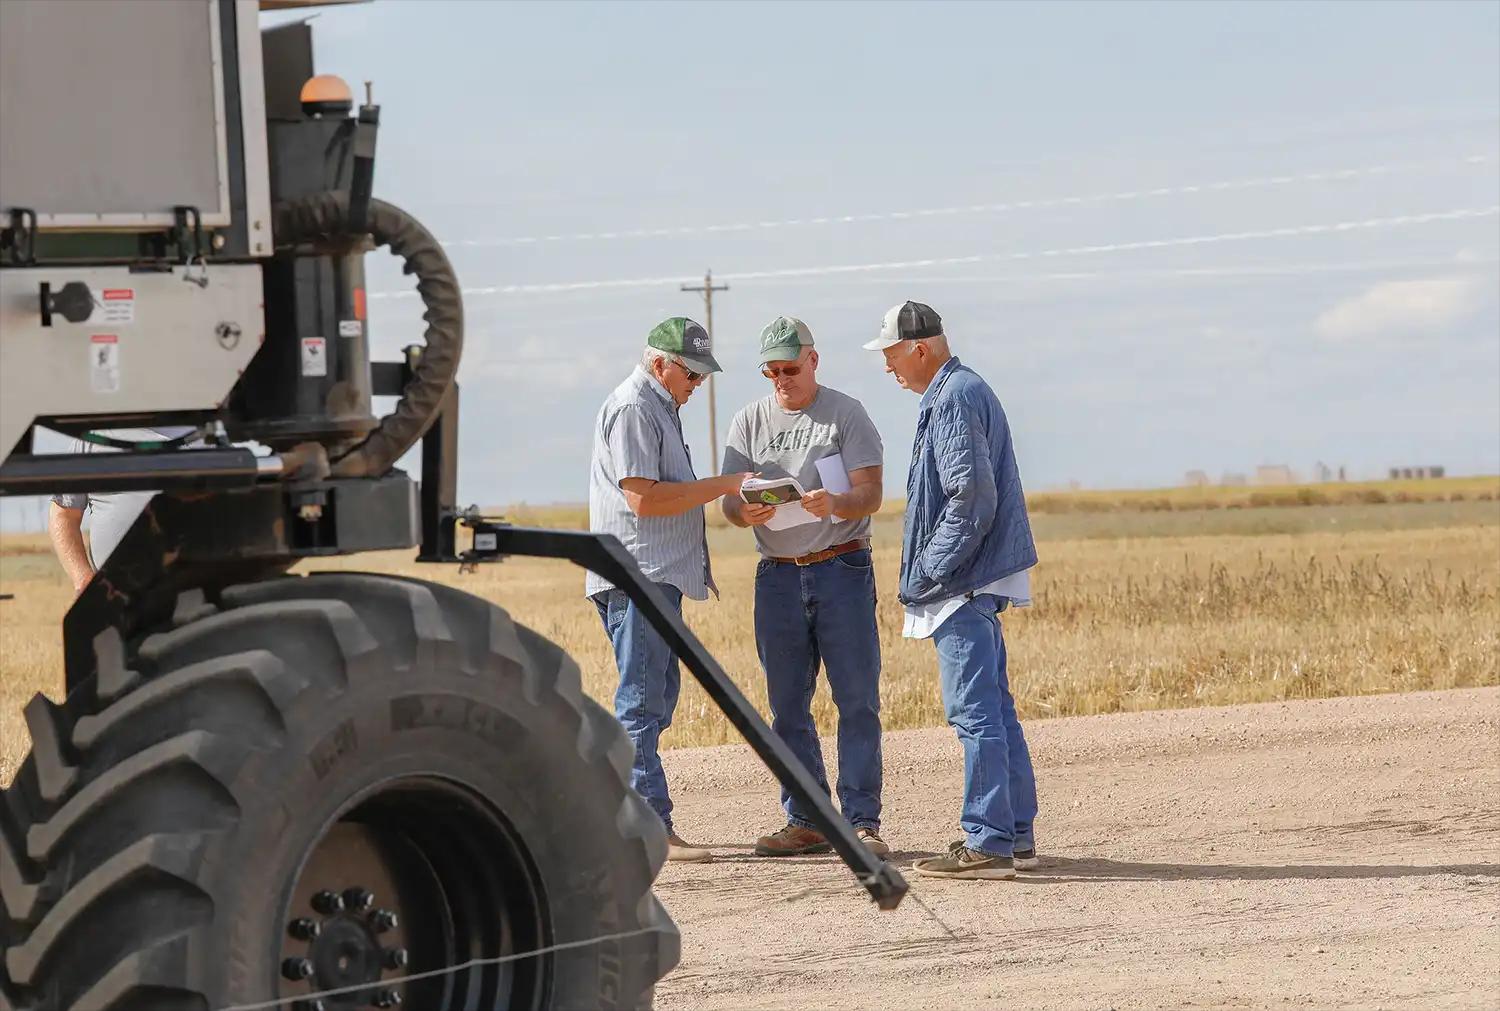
x=687, y=340
x=783, y=339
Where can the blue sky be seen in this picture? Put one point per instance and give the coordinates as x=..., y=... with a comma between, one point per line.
x=732, y=126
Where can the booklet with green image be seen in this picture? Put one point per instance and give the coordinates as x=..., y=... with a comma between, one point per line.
x=774, y=491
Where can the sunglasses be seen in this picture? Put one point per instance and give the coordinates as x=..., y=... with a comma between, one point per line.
x=791, y=372
x=692, y=376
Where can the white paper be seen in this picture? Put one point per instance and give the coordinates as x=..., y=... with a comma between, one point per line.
x=835, y=477
x=790, y=515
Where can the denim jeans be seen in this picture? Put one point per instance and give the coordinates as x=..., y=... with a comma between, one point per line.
x=824, y=613
x=999, y=784
x=649, y=684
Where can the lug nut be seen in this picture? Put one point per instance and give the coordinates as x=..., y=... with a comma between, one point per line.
x=328, y=903
x=297, y=968
x=384, y=920
x=388, y=998
x=304, y=929
x=358, y=899
x=396, y=958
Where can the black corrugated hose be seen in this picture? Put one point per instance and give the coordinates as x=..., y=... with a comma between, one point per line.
x=325, y=216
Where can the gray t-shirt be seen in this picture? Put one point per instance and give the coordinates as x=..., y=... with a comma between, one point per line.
x=774, y=442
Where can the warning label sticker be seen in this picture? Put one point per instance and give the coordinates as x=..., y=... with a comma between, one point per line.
x=119, y=305
x=315, y=356
x=350, y=328
x=104, y=363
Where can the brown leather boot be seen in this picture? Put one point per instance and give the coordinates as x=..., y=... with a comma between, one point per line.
x=791, y=841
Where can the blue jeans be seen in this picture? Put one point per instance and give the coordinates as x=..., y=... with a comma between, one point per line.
x=999, y=784
x=649, y=684
x=824, y=612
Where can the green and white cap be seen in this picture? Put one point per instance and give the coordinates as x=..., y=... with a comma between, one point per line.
x=783, y=339
x=687, y=340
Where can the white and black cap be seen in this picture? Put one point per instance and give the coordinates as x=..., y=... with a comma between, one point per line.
x=909, y=321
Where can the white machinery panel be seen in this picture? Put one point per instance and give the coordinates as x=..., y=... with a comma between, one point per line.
x=156, y=341
x=114, y=113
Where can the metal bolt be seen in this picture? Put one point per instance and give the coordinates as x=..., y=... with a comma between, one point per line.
x=219, y=241
x=304, y=929
x=384, y=920
x=388, y=998
x=396, y=958
x=358, y=899
x=297, y=968
x=327, y=902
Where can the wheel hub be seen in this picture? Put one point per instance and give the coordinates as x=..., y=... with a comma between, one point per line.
x=411, y=881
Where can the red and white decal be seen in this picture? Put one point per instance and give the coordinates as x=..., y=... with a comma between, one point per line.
x=104, y=362
x=119, y=305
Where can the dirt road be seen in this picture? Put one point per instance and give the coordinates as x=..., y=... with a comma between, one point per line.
x=1339, y=853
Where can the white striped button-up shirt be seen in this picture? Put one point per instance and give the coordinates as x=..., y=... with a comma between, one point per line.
x=638, y=434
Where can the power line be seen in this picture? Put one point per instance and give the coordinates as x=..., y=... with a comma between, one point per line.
x=1216, y=186
x=1293, y=231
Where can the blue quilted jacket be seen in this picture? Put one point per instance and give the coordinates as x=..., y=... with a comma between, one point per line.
x=966, y=523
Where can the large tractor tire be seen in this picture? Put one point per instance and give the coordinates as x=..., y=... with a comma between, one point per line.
x=329, y=782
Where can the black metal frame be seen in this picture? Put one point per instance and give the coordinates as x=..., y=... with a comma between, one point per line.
x=206, y=541
x=56, y=473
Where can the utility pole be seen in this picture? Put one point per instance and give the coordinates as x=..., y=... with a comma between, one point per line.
x=708, y=288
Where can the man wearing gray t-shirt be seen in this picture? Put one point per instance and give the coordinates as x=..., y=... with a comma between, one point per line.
x=814, y=584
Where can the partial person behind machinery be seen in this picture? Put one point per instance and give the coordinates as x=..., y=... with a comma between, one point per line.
x=110, y=515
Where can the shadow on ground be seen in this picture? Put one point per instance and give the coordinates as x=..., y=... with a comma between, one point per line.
x=1058, y=869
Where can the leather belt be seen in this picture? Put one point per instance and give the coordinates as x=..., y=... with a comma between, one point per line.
x=815, y=557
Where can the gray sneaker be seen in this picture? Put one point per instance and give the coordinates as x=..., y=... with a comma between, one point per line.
x=1026, y=860
x=962, y=862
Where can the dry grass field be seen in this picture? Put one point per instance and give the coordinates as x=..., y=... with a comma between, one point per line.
x=1137, y=607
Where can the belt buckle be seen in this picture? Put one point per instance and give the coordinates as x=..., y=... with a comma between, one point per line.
x=813, y=558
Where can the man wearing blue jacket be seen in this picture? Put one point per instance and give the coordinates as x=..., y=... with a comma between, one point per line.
x=965, y=558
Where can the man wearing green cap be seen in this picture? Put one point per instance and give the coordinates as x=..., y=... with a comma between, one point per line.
x=643, y=490
x=815, y=584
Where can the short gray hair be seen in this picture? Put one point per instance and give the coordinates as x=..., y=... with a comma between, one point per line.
x=653, y=355
x=937, y=343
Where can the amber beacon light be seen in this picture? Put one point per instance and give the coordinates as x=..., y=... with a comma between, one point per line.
x=326, y=94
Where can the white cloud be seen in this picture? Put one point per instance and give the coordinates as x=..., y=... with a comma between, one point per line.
x=1405, y=308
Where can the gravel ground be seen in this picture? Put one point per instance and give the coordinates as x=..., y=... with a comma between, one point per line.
x=1335, y=853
